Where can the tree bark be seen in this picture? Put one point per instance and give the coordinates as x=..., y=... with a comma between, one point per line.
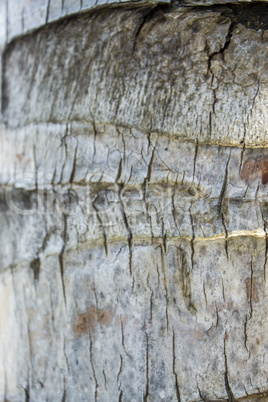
x=133, y=202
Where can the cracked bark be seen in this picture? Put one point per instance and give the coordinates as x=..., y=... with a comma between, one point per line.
x=133, y=258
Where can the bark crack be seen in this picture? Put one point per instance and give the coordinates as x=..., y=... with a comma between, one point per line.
x=225, y=46
x=163, y=268
x=246, y=336
x=147, y=180
x=74, y=165
x=102, y=227
x=173, y=205
x=220, y=202
x=65, y=355
x=174, y=367
x=127, y=226
x=251, y=290
x=193, y=236
x=226, y=375
x=119, y=374
x=205, y=295
x=200, y=394
x=92, y=364
x=61, y=255
x=47, y=14
x=146, y=17
x=147, y=385
x=266, y=243
x=63, y=399
x=195, y=157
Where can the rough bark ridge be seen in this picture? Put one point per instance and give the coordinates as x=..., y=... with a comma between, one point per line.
x=133, y=251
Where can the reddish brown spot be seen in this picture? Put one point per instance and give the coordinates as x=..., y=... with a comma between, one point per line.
x=252, y=169
x=87, y=321
x=198, y=335
x=252, y=291
x=264, y=177
x=80, y=325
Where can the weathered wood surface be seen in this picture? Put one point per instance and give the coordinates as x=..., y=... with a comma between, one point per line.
x=17, y=17
x=133, y=244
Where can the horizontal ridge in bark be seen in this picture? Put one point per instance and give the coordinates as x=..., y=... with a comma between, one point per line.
x=158, y=69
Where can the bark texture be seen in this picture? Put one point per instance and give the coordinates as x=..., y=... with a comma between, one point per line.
x=133, y=205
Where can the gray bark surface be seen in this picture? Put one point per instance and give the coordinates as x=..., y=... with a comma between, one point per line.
x=133, y=203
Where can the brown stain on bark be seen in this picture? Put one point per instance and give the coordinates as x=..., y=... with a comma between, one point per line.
x=199, y=335
x=87, y=321
x=261, y=397
x=254, y=168
x=185, y=280
x=252, y=291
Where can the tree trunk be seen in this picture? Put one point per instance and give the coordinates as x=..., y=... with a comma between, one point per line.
x=133, y=201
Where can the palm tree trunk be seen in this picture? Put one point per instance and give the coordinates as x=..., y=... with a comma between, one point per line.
x=133, y=202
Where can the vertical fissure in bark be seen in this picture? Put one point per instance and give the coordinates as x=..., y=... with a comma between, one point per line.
x=226, y=375
x=226, y=44
x=35, y=266
x=246, y=335
x=52, y=311
x=151, y=298
x=74, y=165
x=220, y=202
x=27, y=393
x=195, y=157
x=105, y=379
x=251, y=290
x=119, y=171
x=163, y=268
x=242, y=142
x=119, y=375
x=127, y=226
x=92, y=364
x=164, y=235
x=177, y=388
x=63, y=142
x=47, y=14
x=192, y=237
x=254, y=99
x=205, y=295
x=61, y=255
x=174, y=213
x=217, y=315
x=266, y=256
x=200, y=394
x=63, y=399
x=266, y=242
x=223, y=289
x=185, y=280
x=147, y=383
x=105, y=243
x=65, y=355
x=123, y=336
x=147, y=180
x=35, y=169
x=147, y=15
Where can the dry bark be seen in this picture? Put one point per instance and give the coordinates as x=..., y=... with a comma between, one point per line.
x=133, y=226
